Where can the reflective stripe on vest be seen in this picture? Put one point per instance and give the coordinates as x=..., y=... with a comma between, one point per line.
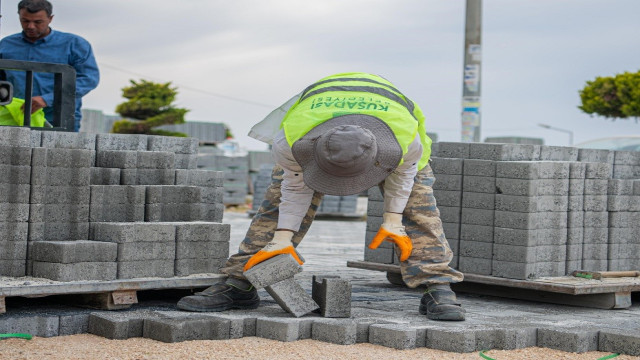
x=403, y=100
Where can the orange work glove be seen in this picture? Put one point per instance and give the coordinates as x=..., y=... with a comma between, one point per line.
x=281, y=244
x=393, y=231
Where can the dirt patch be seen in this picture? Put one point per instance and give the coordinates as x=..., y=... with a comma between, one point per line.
x=89, y=347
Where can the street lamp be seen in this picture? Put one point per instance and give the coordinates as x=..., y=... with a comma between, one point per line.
x=558, y=129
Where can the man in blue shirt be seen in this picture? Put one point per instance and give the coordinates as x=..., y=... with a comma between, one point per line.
x=38, y=42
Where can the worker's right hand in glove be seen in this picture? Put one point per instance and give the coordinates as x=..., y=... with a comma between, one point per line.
x=281, y=244
x=393, y=231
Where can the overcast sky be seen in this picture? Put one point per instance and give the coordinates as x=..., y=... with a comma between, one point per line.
x=233, y=61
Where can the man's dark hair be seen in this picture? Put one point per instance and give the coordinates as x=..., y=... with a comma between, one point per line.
x=33, y=6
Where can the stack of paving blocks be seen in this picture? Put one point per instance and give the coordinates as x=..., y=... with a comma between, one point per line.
x=79, y=206
x=236, y=178
x=261, y=183
x=527, y=211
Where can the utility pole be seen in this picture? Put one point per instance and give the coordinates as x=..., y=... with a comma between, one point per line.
x=471, y=72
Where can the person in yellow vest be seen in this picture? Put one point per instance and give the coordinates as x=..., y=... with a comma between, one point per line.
x=341, y=136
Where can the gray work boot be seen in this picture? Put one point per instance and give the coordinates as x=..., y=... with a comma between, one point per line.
x=232, y=294
x=439, y=303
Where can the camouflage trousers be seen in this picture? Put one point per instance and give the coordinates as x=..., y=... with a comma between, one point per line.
x=429, y=260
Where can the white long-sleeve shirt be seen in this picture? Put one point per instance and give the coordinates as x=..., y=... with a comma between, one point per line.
x=296, y=195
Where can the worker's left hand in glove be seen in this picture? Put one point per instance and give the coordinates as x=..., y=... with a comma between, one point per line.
x=281, y=244
x=392, y=230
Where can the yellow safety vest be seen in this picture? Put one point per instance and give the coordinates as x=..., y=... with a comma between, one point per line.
x=358, y=93
x=12, y=114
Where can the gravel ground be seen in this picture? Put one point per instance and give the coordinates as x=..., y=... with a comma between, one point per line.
x=89, y=347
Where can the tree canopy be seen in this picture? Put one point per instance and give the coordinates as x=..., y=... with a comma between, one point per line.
x=616, y=97
x=148, y=105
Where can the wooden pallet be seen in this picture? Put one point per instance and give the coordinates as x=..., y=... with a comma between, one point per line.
x=608, y=293
x=109, y=295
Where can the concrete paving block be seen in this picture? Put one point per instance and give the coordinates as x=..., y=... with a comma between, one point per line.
x=513, y=270
x=475, y=265
x=379, y=255
x=155, y=160
x=67, y=158
x=504, y=152
x=619, y=341
x=59, y=176
x=341, y=332
x=376, y=208
x=145, y=268
x=120, y=159
x=118, y=325
x=476, y=249
x=470, y=232
x=45, y=194
x=59, y=213
x=151, y=176
x=626, y=158
x=184, y=267
x=121, y=232
x=452, y=230
x=15, y=155
x=212, y=195
x=456, y=150
x=58, y=231
x=292, y=297
x=201, y=249
x=618, y=202
x=558, y=153
x=576, y=186
x=528, y=187
x=453, y=340
x=75, y=271
x=597, y=170
x=68, y=140
x=620, y=187
x=105, y=176
x=146, y=250
x=374, y=194
x=531, y=204
x=42, y=325
x=523, y=254
x=66, y=252
x=173, y=212
x=477, y=200
x=240, y=325
x=14, y=231
x=177, y=145
x=596, y=186
x=477, y=167
x=15, y=174
x=169, y=194
x=485, y=217
x=272, y=271
x=600, y=219
x=171, y=330
x=121, y=142
x=13, y=250
x=203, y=178
x=596, y=155
x=396, y=336
x=202, y=231
x=13, y=268
x=36, y=138
x=15, y=193
x=450, y=214
x=333, y=296
x=186, y=161
x=448, y=182
x=283, y=329
x=537, y=220
x=448, y=166
x=15, y=136
x=570, y=340
x=100, y=212
x=118, y=194
x=575, y=203
x=510, y=338
x=15, y=212
x=72, y=324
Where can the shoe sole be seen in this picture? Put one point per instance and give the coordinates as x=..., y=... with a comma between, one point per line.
x=236, y=306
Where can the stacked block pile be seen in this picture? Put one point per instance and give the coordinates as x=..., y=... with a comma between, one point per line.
x=525, y=211
x=79, y=206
